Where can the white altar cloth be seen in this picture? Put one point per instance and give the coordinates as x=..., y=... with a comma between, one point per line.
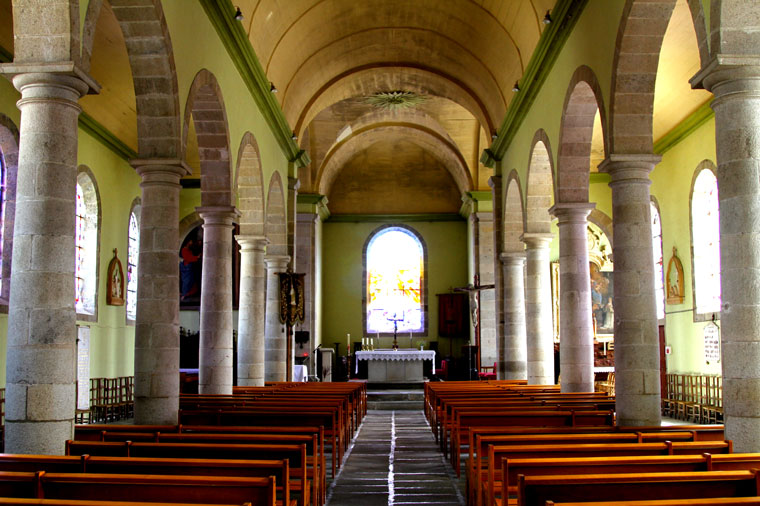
x=404, y=354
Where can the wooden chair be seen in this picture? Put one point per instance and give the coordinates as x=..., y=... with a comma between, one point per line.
x=487, y=373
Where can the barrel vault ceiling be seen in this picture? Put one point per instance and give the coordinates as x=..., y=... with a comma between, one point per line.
x=406, y=87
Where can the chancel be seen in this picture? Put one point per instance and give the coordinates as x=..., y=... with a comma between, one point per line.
x=164, y=162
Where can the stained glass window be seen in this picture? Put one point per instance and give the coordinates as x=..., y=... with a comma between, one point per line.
x=395, y=263
x=706, y=240
x=659, y=287
x=132, y=257
x=2, y=214
x=86, y=245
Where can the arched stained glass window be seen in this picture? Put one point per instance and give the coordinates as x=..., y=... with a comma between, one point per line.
x=706, y=243
x=394, y=266
x=659, y=283
x=86, y=244
x=133, y=252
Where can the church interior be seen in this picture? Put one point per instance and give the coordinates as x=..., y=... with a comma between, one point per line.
x=206, y=198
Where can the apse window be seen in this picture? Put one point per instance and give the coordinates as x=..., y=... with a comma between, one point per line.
x=395, y=260
x=86, y=245
x=133, y=252
x=706, y=244
x=659, y=283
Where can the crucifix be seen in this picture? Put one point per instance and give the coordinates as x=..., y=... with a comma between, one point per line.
x=395, y=321
x=473, y=290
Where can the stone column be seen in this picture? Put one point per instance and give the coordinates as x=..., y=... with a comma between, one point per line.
x=637, y=342
x=276, y=347
x=538, y=309
x=576, y=349
x=157, y=320
x=735, y=82
x=306, y=247
x=498, y=280
x=514, y=359
x=251, y=314
x=41, y=348
x=292, y=210
x=215, y=353
x=486, y=267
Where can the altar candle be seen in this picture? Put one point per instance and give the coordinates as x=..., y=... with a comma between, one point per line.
x=348, y=344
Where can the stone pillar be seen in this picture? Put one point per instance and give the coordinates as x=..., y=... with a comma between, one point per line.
x=486, y=265
x=514, y=359
x=251, y=314
x=736, y=86
x=498, y=240
x=275, y=345
x=157, y=320
x=637, y=342
x=538, y=309
x=291, y=211
x=306, y=251
x=41, y=349
x=576, y=349
x=215, y=353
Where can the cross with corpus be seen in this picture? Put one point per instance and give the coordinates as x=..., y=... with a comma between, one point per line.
x=474, y=292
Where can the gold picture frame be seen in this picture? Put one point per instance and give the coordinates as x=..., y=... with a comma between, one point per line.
x=115, y=285
x=674, y=280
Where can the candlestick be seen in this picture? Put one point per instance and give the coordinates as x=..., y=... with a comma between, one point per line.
x=348, y=344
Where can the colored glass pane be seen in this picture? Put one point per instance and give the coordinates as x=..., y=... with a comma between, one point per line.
x=706, y=236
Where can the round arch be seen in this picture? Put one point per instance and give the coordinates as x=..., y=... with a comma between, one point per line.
x=275, y=227
x=540, y=185
x=250, y=187
x=513, y=215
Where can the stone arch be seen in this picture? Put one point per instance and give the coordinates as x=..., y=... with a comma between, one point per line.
x=639, y=40
x=275, y=228
x=187, y=224
x=540, y=186
x=583, y=100
x=444, y=150
x=513, y=215
x=154, y=73
x=9, y=163
x=206, y=107
x=250, y=187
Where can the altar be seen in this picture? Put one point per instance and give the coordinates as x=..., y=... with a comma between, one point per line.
x=395, y=366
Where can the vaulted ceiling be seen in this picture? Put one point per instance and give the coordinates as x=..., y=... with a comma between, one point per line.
x=430, y=80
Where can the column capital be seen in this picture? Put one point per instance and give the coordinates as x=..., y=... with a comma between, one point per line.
x=277, y=261
x=572, y=212
x=252, y=242
x=65, y=73
x=218, y=215
x=160, y=170
x=724, y=68
x=537, y=240
x=294, y=183
x=494, y=182
x=629, y=168
x=512, y=258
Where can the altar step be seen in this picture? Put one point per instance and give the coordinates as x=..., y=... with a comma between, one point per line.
x=398, y=400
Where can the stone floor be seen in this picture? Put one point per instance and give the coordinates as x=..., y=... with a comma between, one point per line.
x=394, y=460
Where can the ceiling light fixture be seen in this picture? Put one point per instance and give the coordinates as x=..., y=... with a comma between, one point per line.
x=516, y=87
x=238, y=14
x=272, y=87
x=547, y=18
x=494, y=137
x=294, y=137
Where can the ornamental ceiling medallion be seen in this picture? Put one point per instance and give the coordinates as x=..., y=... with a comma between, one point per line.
x=395, y=100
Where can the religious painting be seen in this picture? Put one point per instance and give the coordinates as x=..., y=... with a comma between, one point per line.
x=115, y=285
x=190, y=269
x=603, y=314
x=675, y=279
x=555, y=299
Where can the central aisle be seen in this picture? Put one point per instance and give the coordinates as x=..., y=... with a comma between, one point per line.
x=394, y=460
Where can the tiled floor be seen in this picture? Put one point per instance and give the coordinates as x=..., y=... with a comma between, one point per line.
x=394, y=460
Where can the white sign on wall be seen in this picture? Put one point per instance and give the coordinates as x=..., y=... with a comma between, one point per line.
x=83, y=367
x=712, y=344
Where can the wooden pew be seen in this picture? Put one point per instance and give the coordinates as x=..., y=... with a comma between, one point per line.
x=136, y=465
x=475, y=466
x=715, y=501
x=500, y=455
x=20, y=501
x=294, y=453
x=537, y=490
x=139, y=488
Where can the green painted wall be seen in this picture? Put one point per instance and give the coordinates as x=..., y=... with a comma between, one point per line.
x=342, y=266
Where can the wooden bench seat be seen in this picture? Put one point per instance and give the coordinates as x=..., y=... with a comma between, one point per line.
x=498, y=456
x=294, y=453
x=20, y=501
x=713, y=501
x=537, y=490
x=139, y=488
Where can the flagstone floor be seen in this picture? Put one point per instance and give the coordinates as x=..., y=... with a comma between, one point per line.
x=394, y=459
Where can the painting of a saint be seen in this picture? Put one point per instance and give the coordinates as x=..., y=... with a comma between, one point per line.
x=601, y=300
x=190, y=268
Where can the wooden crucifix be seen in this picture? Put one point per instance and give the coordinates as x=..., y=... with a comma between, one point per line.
x=473, y=290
